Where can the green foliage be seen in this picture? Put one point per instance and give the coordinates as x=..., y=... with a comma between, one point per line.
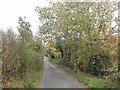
x=20, y=60
x=99, y=63
x=79, y=31
x=24, y=30
x=26, y=58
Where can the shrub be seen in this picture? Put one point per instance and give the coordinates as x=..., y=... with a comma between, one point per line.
x=99, y=64
x=18, y=58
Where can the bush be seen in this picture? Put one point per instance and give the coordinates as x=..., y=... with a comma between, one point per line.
x=36, y=62
x=18, y=58
x=99, y=64
x=10, y=58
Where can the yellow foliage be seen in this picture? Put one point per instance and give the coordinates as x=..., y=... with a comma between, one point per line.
x=50, y=44
x=53, y=50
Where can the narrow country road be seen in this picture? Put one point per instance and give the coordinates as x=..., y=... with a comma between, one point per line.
x=55, y=78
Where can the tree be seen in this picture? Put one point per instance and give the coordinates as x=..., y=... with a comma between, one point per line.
x=19, y=58
x=24, y=30
x=80, y=30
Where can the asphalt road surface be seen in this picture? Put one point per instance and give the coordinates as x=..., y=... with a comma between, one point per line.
x=55, y=78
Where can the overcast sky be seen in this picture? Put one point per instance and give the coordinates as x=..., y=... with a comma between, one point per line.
x=10, y=10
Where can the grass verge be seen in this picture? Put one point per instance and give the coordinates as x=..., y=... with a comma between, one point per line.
x=93, y=82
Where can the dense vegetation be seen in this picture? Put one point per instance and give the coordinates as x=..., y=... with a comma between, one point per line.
x=22, y=58
x=81, y=36
x=76, y=35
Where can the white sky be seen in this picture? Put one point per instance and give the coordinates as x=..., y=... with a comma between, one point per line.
x=10, y=10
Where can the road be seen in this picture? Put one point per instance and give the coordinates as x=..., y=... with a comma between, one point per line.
x=55, y=78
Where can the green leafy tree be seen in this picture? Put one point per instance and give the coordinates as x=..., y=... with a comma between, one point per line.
x=24, y=30
x=80, y=31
